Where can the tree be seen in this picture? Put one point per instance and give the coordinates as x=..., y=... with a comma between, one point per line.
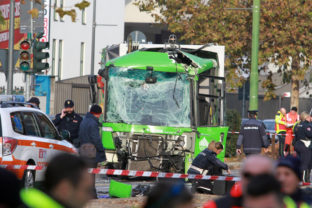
x=284, y=33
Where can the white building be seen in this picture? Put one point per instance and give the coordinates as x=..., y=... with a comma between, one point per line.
x=71, y=42
x=135, y=20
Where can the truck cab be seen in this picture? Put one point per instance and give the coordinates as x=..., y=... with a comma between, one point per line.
x=162, y=105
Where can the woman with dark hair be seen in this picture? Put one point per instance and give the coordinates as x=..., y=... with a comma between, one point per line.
x=169, y=195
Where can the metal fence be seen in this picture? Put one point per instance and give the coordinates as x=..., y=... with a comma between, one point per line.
x=267, y=109
x=76, y=89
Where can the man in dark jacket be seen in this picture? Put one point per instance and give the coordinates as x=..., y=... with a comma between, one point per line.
x=89, y=135
x=69, y=120
x=252, y=136
x=302, y=142
x=205, y=163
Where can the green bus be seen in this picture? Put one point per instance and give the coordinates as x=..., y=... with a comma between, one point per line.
x=162, y=106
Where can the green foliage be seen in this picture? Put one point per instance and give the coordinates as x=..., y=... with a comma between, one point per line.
x=284, y=31
x=233, y=120
x=82, y=5
x=72, y=12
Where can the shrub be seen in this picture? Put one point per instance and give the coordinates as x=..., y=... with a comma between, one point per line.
x=233, y=120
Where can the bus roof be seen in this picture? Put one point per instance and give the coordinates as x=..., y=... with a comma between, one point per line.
x=160, y=61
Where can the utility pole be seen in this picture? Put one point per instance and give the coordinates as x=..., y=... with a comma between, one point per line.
x=93, y=37
x=11, y=49
x=253, y=96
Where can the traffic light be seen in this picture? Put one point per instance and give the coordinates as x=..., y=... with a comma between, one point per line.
x=39, y=55
x=25, y=57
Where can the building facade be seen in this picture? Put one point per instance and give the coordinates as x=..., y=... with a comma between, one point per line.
x=71, y=42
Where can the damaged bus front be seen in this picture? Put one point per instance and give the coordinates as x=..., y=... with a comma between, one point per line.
x=162, y=107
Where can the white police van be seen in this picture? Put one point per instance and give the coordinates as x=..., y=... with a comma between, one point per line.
x=28, y=137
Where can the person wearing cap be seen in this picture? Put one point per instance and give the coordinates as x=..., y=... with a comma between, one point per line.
x=70, y=121
x=280, y=129
x=34, y=101
x=291, y=118
x=91, y=142
x=302, y=142
x=289, y=174
x=252, y=136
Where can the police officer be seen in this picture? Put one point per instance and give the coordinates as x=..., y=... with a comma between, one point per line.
x=70, y=121
x=302, y=141
x=252, y=136
x=34, y=101
x=205, y=163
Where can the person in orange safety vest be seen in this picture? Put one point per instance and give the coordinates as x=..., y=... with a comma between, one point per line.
x=291, y=118
x=280, y=129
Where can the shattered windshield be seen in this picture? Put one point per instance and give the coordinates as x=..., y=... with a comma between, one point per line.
x=131, y=100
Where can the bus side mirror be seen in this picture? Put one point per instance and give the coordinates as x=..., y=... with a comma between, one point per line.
x=103, y=73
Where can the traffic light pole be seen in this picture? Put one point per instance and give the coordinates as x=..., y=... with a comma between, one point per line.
x=253, y=96
x=93, y=37
x=11, y=49
x=28, y=75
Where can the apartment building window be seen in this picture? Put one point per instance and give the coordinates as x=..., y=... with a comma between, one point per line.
x=82, y=58
x=61, y=6
x=83, y=17
x=53, y=56
x=55, y=15
x=60, y=60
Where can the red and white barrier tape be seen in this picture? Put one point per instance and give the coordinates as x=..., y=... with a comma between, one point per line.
x=151, y=174
x=136, y=173
x=276, y=134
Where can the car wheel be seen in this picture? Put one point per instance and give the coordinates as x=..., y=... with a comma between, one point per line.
x=29, y=179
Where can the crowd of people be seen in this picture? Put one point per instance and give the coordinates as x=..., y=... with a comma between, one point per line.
x=295, y=135
x=264, y=183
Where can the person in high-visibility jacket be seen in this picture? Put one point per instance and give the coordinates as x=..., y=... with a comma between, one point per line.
x=67, y=184
x=291, y=118
x=280, y=129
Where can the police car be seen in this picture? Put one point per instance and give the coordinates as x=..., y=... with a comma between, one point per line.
x=28, y=137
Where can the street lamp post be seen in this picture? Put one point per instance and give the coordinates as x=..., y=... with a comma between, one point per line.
x=253, y=96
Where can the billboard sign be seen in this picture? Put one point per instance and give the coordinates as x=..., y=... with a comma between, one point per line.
x=46, y=22
x=4, y=28
x=28, y=23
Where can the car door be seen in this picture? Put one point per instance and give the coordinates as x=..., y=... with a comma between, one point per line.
x=51, y=135
x=33, y=135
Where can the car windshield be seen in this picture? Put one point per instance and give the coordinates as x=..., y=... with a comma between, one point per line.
x=270, y=125
x=131, y=100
